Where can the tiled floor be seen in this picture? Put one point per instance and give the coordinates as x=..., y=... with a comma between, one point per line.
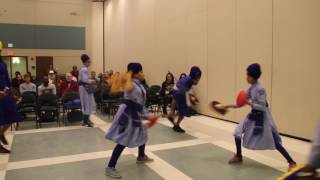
x=75, y=152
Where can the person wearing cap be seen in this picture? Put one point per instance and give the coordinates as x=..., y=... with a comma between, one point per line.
x=258, y=129
x=179, y=101
x=127, y=129
x=86, y=90
x=8, y=110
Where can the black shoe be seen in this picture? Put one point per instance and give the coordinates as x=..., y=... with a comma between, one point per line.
x=87, y=124
x=3, y=140
x=178, y=129
x=4, y=150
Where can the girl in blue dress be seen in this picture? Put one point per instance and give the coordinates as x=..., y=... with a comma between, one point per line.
x=258, y=130
x=8, y=111
x=127, y=129
x=179, y=101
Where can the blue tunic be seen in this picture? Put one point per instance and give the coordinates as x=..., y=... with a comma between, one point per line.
x=8, y=111
x=179, y=94
x=127, y=127
x=87, y=98
x=266, y=139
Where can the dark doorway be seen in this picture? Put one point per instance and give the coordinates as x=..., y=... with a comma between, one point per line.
x=43, y=64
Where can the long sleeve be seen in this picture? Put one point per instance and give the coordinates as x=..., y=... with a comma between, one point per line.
x=260, y=102
x=314, y=159
x=84, y=75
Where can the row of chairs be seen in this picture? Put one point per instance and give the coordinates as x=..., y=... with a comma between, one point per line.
x=109, y=102
x=48, y=107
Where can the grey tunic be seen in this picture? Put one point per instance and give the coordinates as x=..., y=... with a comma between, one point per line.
x=127, y=129
x=265, y=140
x=87, y=99
x=314, y=159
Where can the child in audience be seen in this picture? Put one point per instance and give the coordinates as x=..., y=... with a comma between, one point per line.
x=127, y=129
x=179, y=101
x=258, y=130
x=86, y=89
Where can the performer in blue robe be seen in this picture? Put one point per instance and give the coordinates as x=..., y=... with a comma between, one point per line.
x=127, y=128
x=8, y=111
x=258, y=130
x=86, y=90
x=179, y=101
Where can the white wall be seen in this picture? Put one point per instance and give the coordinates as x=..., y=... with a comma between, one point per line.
x=223, y=37
x=58, y=12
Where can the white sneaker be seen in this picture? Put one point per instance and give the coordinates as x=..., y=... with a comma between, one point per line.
x=112, y=172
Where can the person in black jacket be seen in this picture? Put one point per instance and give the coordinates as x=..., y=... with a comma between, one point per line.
x=167, y=87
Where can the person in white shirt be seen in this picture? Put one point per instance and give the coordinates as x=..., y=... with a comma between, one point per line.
x=46, y=87
x=27, y=86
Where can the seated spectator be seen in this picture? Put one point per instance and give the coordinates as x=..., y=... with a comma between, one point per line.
x=94, y=76
x=165, y=93
x=182, y=75
x=46, y=87
x=52, y=77
x=68, y=85
x=75, y=72
x=16, y=82
x=31, y=78
x=27, y=86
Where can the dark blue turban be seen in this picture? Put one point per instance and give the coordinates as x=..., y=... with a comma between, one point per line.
x=134, y=67
x=254, y=70
x=195, y=73
x=85, y=58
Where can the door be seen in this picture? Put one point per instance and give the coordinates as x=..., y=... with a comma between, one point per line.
x=43, y=64
x=16, y=63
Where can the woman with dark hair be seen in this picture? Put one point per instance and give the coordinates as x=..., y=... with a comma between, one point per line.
x=8, y=111
x=166, y=88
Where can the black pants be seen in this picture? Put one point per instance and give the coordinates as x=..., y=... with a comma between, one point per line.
x=117, y=152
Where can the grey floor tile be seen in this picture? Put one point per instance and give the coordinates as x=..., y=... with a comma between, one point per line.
x=60, y=143
x=85, y=170
x=208, y=161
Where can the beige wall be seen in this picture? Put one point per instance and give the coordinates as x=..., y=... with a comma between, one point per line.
x=223, y=37
x=58, y=12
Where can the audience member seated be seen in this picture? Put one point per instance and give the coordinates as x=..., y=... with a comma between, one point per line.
x=68, y=85
x=182, y=75
x=31, y=78
x=94, y=76
x=75, y=72
x=165, y=93
x=27, y=86
x=52, y=77
x=16, y=82
x=46, y=87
